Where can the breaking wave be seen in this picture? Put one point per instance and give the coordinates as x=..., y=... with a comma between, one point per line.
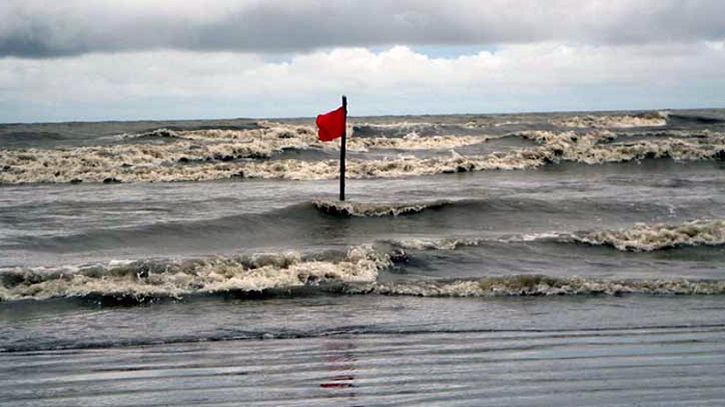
x=650, y=119
x=414, y=141
x=204, y=155
x=188, y=157
x=356, y=270
x=644, y=237
x=163, y=279
x=200, y=155
x=453, y=243
x=397, y=129
x=278, y=274
x=638, y=238
x=359, y=209
x=537, y=285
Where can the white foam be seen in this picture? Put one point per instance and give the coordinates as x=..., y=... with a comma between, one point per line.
x=413, y=141
x=400, y=126
x=179, y=278
x=654, y=119
x=537, y=285
x=644, y=237
x=361, y=209
x=191, y=160
x=436, y=244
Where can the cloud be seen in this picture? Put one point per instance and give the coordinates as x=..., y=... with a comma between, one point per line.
x=397, y=80
x=51, y=28
x=131, y=59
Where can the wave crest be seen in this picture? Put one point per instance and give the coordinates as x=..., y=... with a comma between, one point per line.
x=361, y=209
x=649, y=119
x=538, y=285
x=161, y=279
x=413, y=141
x=641, y=237
x=644, y=237
x=189, y=160
x=396, y=129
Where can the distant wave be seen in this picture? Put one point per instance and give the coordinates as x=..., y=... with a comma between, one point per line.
x=598, y=147
x=359, y=209
x=244, y=154
x=156, y=133
x=396, y=129
x=413, y=141
x=650, y=119
x=149, y=279
x=200, y=155
x=187, y=158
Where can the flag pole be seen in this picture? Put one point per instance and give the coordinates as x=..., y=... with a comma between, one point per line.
x=342, y=152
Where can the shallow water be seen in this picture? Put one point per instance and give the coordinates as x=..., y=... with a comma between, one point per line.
x=313, y=350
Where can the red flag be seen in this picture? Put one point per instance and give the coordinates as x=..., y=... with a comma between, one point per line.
x=332, y=124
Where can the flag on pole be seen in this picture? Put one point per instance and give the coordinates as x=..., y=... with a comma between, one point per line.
x=332, y=124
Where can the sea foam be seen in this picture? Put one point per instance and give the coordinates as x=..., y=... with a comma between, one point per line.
x=361, y=209
x=641, y=237
x=652, y=119
x=648, y=237
x=538, y=285
x=159, y=279
x=221, y=154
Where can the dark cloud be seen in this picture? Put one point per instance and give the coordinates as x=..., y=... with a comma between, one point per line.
x=50, y=28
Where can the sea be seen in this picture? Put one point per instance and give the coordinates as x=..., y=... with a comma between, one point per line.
x=532, y=259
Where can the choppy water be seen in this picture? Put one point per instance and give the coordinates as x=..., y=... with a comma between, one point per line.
x=527, y=259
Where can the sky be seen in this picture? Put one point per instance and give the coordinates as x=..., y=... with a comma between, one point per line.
x=93, y=60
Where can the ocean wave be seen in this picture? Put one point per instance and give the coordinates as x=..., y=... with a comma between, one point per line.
x=151, y=162
x=594, y=148
x=643, y=237
x=264, y=130
x=414, y=141
x=597, y=147
x=361, y=209
x=156, y=133
x=164, y=279
x=482, y=123
x=649, y=119
x=537, y=285
x=290, y=274
x=194, y=161
x=453, y=243
x=400, y=128
x=306, y=136
x=449, y=243
x=198, y=155
x=354, y=271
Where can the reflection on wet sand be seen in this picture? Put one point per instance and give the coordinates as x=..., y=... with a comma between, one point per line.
x=339, y=362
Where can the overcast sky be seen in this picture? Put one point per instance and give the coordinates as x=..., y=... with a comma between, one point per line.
x=186, y=59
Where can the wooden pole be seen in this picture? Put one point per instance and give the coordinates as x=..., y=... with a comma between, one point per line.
x=342, y=152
